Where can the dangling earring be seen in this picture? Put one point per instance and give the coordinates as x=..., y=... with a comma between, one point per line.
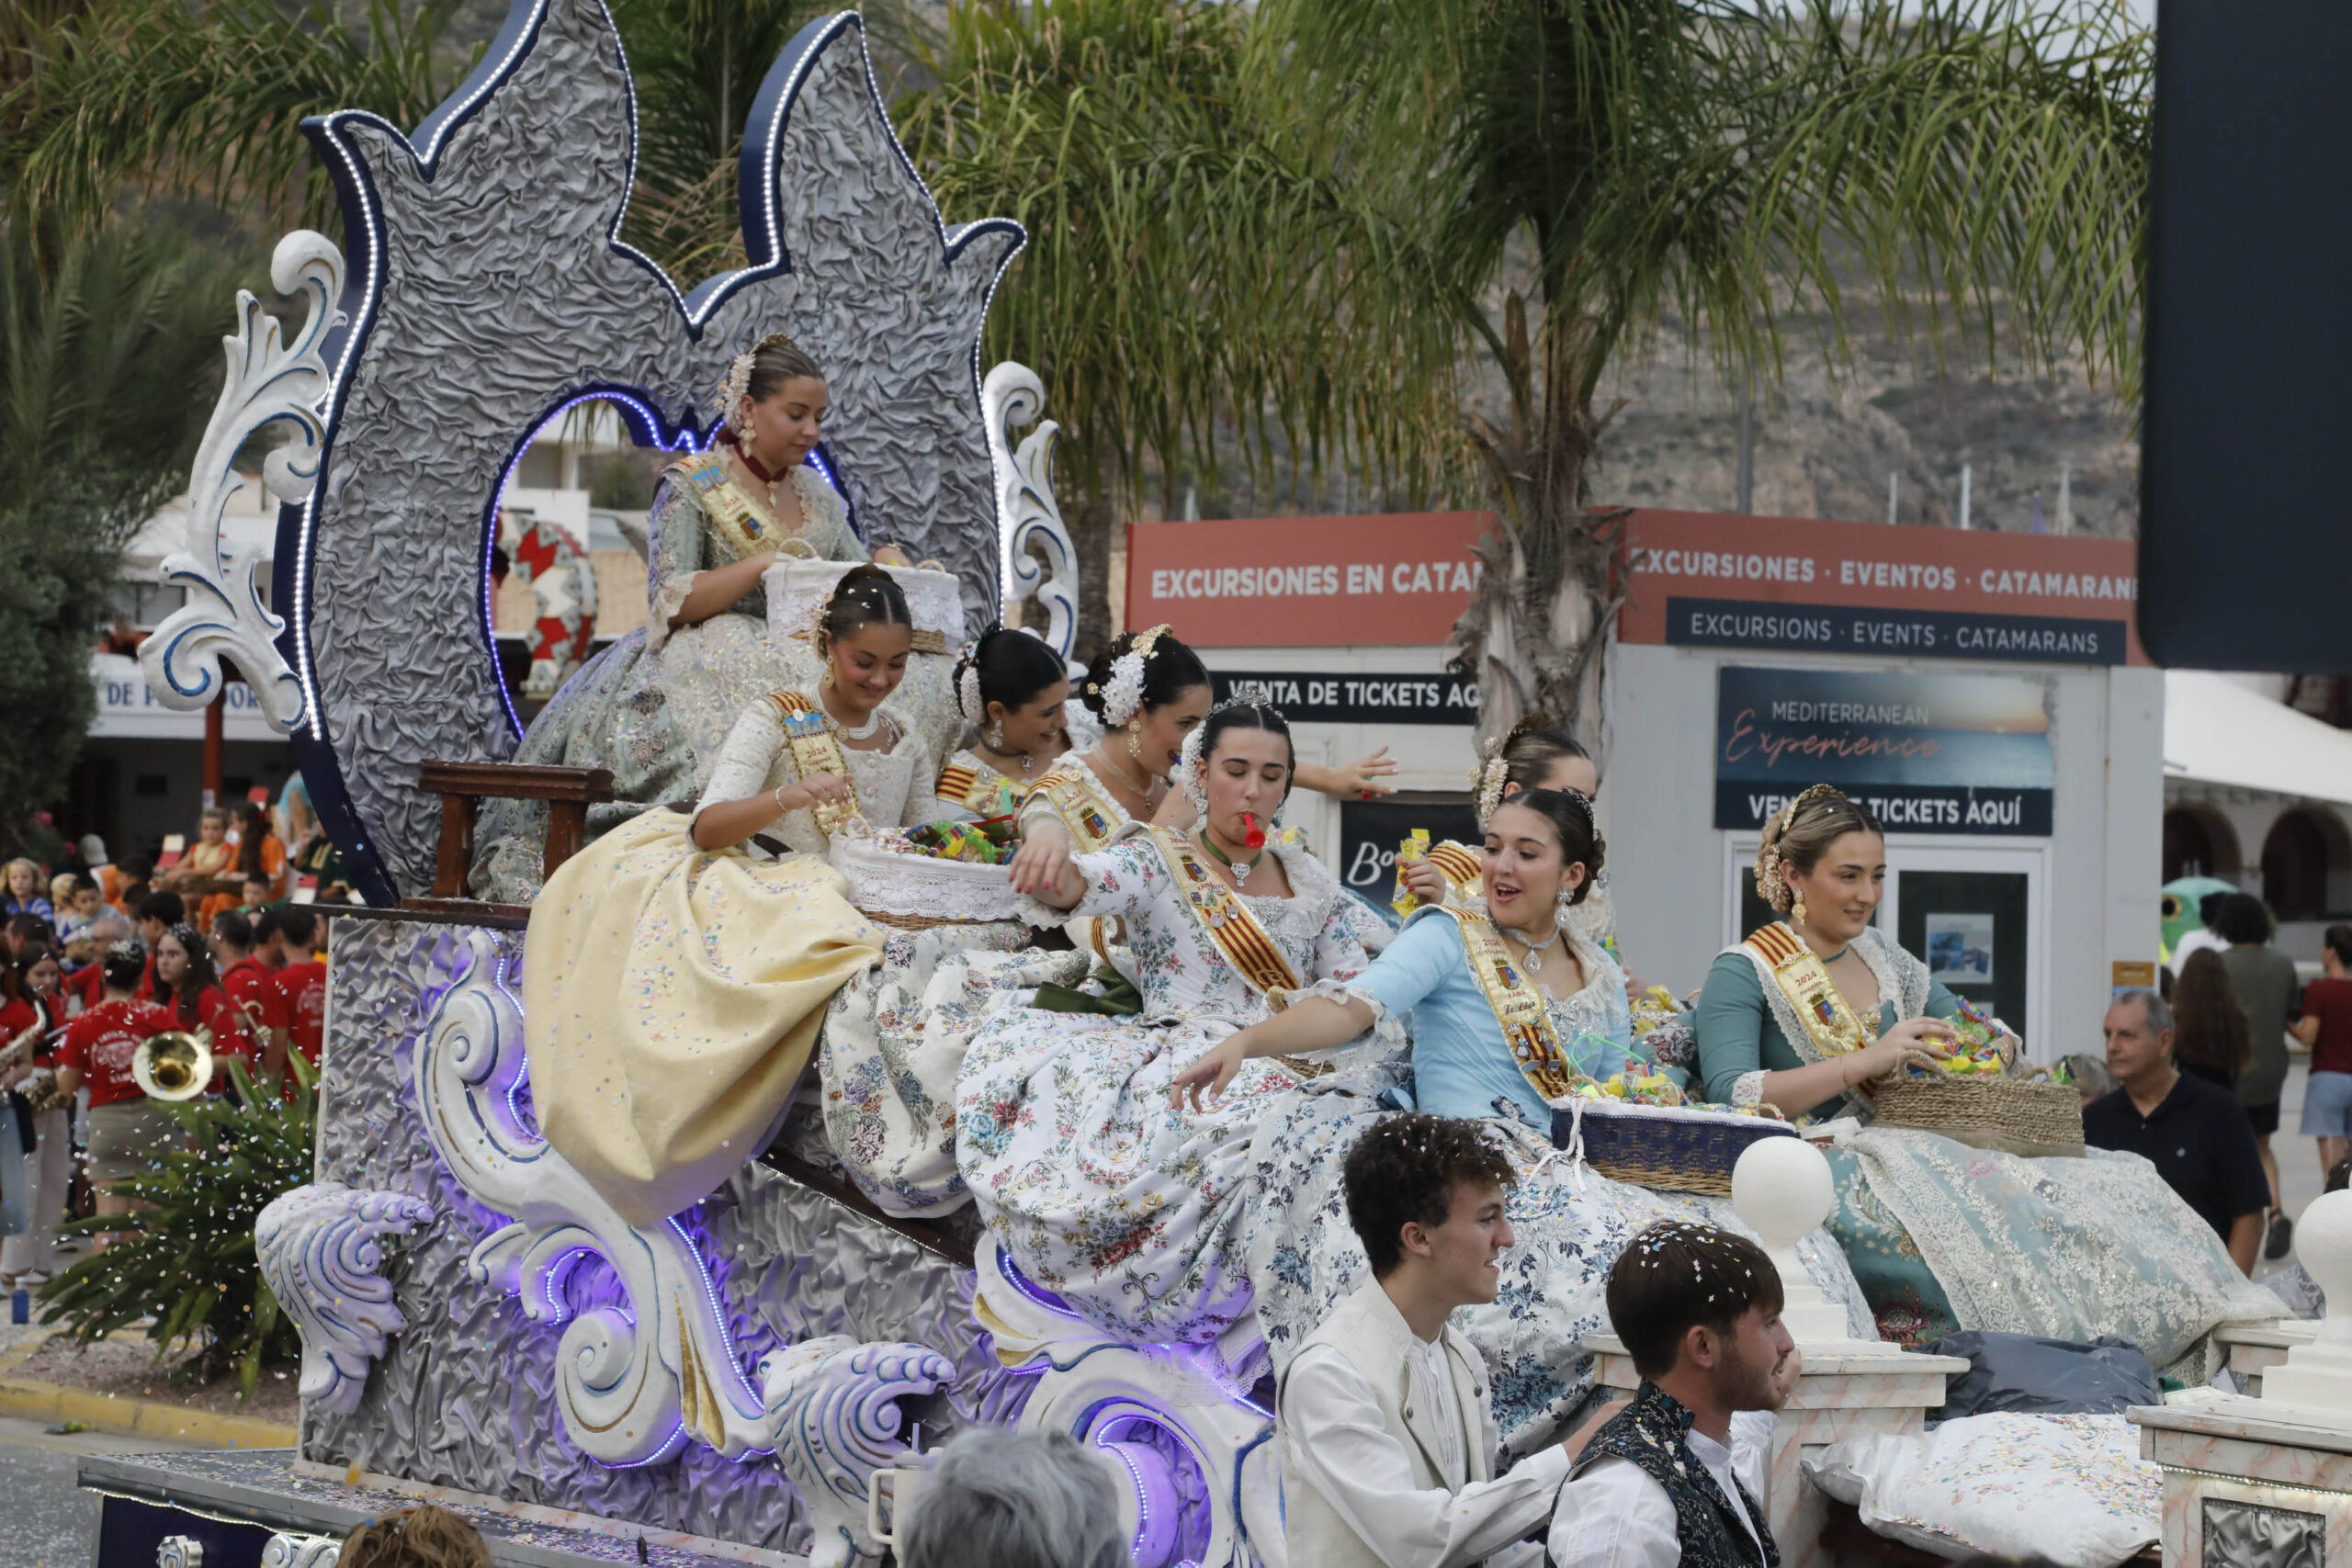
x=1134, y=739
x=996, y=737
x=826, y=680
x=1796, y=909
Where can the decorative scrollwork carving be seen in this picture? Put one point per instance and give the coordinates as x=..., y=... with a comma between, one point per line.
x=1026, y=513
x=1177, y=1420
x=288, y=1550
x=837, y=1401
x=179, y=1551
x=319, y=1247
x=267, y=383
x=633, y=1383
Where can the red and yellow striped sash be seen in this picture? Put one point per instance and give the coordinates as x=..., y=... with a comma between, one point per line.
x=1226, y=921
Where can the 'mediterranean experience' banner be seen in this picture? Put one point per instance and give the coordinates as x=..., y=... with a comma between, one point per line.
x=1927, y=753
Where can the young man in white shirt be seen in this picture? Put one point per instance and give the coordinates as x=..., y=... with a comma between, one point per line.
x=1674, y=1478
x=1386, y=1431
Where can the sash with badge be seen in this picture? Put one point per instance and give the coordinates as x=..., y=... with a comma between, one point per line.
x=1080, y=802
x=1519, y=1006
x=1226, y=922
x=746, y=527
x=984, y=792
x=1804, y=980
x=808, y=740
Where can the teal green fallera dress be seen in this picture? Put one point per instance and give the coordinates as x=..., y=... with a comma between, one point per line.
x=1944, y=1236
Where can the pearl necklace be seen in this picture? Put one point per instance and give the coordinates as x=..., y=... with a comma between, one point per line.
x=862, y=732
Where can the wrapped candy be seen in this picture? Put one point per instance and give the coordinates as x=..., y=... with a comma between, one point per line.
x=1978, y=1043
x=958, y=840
x=1413, y=848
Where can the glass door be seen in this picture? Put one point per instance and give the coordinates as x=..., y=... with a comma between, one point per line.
x=1975, y=915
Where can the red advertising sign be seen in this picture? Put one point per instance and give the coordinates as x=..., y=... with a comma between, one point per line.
x=1703, y=578
x=1397, y=578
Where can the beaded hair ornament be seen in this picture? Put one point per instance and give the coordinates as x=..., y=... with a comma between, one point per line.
x=1192, y=772
x=1487, y=779
x=1771, y=886
x=967, y=687
x=1123, y=693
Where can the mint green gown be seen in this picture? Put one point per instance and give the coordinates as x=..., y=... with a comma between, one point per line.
x=1944, y=1236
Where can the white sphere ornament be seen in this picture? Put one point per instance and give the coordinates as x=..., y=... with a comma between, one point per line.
x=2313, y=1385
x=2323, y=1246
x=1782, y=1189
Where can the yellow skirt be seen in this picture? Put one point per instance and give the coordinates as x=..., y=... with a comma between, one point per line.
x=671, y=998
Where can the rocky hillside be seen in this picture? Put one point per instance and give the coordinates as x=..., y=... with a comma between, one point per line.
x=1825, y=444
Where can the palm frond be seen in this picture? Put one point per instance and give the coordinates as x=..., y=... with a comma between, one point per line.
x=159, y=97
x=1191, y=272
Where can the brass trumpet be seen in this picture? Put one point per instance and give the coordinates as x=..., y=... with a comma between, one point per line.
x=175, y=1065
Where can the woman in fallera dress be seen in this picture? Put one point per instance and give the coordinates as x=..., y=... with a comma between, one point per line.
x=1811, y=1011
x=1093, y=1184
x=1015, y=691
x=655, y=707
x=1509, y=1005
x=690, y=956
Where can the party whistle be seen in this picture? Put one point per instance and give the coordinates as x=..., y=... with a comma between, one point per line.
x=1253, y=836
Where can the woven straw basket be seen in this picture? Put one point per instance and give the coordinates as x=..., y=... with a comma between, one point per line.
x=1673, y=1148
x=2015, y=1113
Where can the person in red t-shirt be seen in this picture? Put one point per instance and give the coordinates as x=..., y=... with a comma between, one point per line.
x=249, y=984
x=85, y=987
x=28, y=1258
x=286, y=935
x=2326, y=1027
x=187, y=987
x=126, y=1127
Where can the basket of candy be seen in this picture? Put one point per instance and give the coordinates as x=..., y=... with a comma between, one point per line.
x=1979, y=1095
x=939, y=874
x=1645, y=1131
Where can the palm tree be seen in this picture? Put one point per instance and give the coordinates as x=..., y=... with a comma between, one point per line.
x=108, y=342
x=1576, y=165
x=1186, y=288
x=1190, y=280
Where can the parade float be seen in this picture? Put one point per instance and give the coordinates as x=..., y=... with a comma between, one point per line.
x=479, y=1326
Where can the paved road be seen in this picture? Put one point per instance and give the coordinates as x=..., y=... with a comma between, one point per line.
x=51, y=1523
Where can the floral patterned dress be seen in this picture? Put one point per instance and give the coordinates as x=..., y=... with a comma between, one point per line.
x=1569, y=1222
x=1096, y=1187
x=656, y=707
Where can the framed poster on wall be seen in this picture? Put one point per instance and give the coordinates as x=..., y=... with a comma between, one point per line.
x=1946, y=753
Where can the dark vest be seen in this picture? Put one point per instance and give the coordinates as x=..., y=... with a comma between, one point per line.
x=1652, y=1433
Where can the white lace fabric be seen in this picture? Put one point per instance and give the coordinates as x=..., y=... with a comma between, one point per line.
x=887, y=881
x=668, y=599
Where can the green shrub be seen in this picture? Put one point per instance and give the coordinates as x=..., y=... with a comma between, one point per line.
x=185, y=1265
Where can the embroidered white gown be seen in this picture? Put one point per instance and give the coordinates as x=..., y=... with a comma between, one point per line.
x=1095, y=1187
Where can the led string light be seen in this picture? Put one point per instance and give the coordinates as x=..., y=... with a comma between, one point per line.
x=648, y=422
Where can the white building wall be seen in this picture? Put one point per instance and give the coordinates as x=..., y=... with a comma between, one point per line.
x=2098, y=896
